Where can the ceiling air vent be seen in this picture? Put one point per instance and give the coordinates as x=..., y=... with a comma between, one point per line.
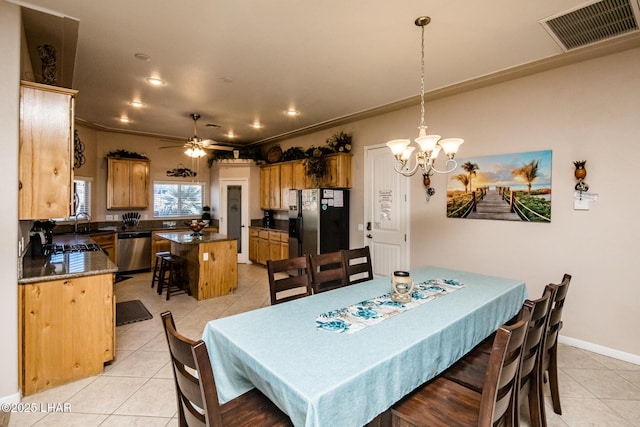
x=594, y=22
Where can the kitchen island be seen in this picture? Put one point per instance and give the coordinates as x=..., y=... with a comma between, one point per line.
x=212, y=261
x=66, y=322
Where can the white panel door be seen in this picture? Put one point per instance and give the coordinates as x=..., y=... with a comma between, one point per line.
x=234, y=213
x=386, y=212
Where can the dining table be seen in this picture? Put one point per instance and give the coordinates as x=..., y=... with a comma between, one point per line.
x=326, y=376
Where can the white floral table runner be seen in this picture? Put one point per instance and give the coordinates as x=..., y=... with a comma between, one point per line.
x=372, y=311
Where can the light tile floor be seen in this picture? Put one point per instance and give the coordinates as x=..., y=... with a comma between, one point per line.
x=137, y=389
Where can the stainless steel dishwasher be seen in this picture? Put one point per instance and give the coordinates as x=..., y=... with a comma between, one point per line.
x=134, y=251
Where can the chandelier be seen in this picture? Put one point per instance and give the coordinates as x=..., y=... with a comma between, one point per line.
x=429, y=146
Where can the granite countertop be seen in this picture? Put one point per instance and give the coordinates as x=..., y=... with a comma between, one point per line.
x=279, y=230
x=65, y=265
x=188, y=238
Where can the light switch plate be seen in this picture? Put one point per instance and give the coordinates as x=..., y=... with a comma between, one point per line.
x=581, y=205
x=205, y=256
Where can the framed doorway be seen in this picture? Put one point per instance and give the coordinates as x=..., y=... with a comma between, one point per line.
x=234, y=213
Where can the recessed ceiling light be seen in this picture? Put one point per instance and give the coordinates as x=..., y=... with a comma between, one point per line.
x=230, y=134
x=142, y=56
x=136, y=104
x=256, y=125
x=155, y=81
x=292, y=113
x=125, y=119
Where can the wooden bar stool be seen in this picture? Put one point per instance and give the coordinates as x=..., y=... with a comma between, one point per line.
x=173, y=276
x=156, y=267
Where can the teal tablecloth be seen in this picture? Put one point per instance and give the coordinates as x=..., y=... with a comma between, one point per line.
x=328, y=379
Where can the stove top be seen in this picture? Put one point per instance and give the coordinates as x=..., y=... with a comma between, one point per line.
x=78, y=247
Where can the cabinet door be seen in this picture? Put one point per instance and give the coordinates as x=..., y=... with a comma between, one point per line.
x=253, y=249
x=138, y=184
x=263, y=251
x=45, y=152
x=299, y=175
x=265, y=178
x=286, y=184
x=67, y=330
x=274, y=249
x=274, y=187
x=338, y=172
x=127, y=183
x=117, y=183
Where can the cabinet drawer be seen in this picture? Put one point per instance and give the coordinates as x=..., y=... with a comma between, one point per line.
x=253, y=232
x=284, y=237
x=263, y=234
x=274, y=236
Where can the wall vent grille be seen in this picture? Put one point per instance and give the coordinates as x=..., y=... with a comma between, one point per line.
x=595, y=22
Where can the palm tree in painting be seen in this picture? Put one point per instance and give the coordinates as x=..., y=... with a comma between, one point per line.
x=464, y=180
x=470, y=169
x=528, y=172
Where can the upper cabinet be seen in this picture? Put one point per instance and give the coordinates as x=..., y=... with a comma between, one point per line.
x=45, y=163
x=277, y=179
x=127, y=183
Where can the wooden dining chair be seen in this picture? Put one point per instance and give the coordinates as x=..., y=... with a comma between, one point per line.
x=550, y=360
x=196, y=392
x=357, y=265
x=442, y=402
x=288, y=279
x=471, y=369
x=327, y=272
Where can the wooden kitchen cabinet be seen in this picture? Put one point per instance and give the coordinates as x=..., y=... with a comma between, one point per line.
x=277, y=180
x=127, y=183
x=253, y=245
x=286, y=183
x=109, y=243
x=45, y=160
x=267, y=245
x=300, y=178
x=270, y=194
x=66, y=330
x=338, y=174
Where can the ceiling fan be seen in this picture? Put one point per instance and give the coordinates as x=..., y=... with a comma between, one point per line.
x=195, y=145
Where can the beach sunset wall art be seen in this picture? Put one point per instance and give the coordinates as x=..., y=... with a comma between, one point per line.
x=508, y=187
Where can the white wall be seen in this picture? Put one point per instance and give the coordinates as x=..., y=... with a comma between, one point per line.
x=587, y=111
x=9, y=87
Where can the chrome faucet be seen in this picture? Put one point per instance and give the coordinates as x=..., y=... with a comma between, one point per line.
x=81, y=214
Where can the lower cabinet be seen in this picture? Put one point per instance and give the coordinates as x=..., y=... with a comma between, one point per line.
x=109, y=243
x=66, y=330
x=267, y=245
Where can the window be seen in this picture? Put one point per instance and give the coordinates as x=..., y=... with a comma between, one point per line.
x=82, y=195
x=171, y=199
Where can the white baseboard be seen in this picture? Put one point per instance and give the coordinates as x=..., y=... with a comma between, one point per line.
x=595, y=348
x=12, y=398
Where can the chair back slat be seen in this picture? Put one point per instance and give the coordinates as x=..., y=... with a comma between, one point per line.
x=327, y=271
x=281, y=279
x=357, y=265
x=196, y=392
x=534, y=344
x=501, y=379
x=555, y=318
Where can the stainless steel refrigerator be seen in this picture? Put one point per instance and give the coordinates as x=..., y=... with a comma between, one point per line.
x=318, y=221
